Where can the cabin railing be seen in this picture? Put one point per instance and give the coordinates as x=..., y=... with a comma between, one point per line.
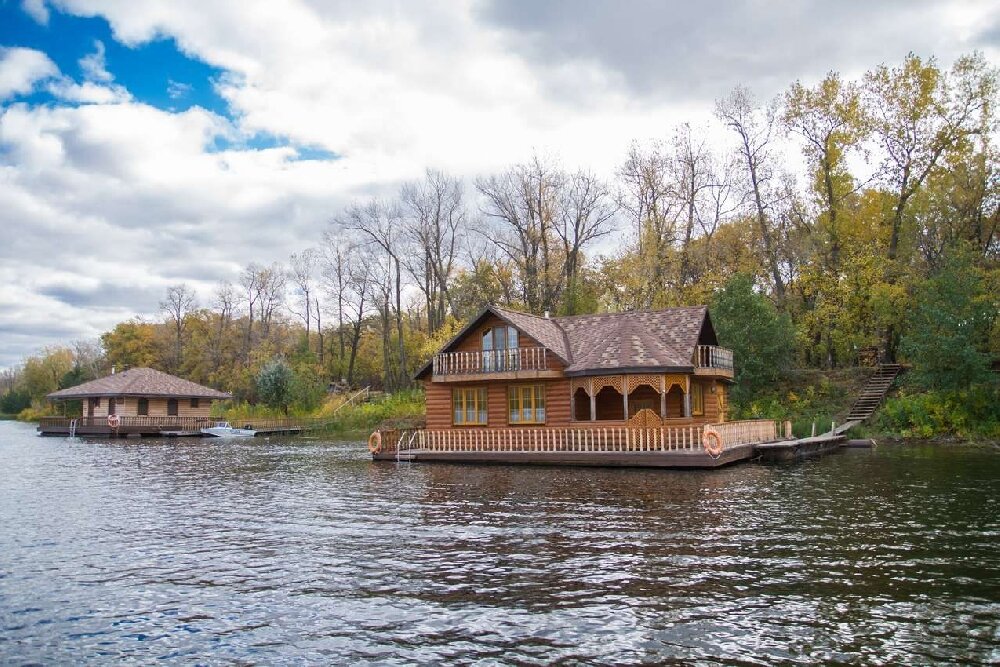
x=748, y=432
x=613, y=439
x=491, y=361
x=713, y=356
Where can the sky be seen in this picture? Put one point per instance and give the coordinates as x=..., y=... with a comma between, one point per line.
x=145, y=144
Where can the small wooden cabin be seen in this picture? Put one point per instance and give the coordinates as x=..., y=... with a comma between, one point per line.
x=144, y=400
x=583, y=389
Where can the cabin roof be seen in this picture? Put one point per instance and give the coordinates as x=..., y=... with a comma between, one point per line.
x=635, y=341
x=139, y=382
x=657, y=340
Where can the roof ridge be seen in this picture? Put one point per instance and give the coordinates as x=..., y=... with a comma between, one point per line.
x=627, y=312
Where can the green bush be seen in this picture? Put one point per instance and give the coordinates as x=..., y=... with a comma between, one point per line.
x=969, y=413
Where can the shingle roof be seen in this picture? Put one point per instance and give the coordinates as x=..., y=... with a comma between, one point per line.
x=139, y=382
x=612, y=342
x=638, y=340
x=544, y=330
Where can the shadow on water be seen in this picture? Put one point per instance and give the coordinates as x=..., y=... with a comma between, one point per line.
x=274, y=551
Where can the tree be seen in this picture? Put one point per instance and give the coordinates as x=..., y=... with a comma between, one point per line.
x=523, y=204
x=179, y=303
x=275, y=384
x=761, y=339
x=948, y=331
x=585, y=213
x=755, y=128
x=436, y=223
x=302, y=266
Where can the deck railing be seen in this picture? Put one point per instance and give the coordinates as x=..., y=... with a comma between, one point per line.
x=713, y=356
x=491, y=361
x=748, y=432
x=614, y=439
x=165, y=423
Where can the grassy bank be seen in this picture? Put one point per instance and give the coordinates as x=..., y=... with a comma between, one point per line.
x=400, y=410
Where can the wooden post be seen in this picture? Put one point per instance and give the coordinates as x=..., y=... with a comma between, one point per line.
x=625, y=395
x=663, y=397
x=593, y=401
x=687, y=397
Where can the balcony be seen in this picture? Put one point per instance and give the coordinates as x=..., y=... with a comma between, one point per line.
x=514, y=364
x=713, y=360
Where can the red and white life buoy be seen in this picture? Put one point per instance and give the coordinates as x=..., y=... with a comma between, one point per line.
x=712, y=442
x=375, y=442
x=114, y=421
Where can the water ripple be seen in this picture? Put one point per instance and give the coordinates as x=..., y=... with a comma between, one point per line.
x=303, y=551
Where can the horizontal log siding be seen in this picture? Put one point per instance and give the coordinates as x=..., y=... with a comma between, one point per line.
x=439, y=403
x=129, y=407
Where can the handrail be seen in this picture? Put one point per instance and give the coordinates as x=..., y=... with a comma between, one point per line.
x=613, y=439
x=713, y=356
x=491, y=361
x=366, y=391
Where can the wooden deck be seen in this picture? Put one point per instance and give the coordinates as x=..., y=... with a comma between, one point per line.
x=154, y=427
x=681, y=447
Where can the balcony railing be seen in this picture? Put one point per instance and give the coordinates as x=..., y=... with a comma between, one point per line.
x=491, y=361
x=712, y=356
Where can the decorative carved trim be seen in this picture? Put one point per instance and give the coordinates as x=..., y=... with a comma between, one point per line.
x=614, y=381
x=636, y=381
x=670, y=380
x=581, y=383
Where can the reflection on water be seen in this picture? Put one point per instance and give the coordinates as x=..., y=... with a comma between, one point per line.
x=304, y=551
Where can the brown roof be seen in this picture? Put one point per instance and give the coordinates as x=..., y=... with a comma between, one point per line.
x=139, y=382
x=542, y=329
x=653, y=340
x=659, y=340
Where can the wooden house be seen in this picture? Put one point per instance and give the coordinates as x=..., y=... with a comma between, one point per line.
x=518, y=387
x=139, y=401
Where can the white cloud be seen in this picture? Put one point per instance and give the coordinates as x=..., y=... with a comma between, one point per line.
x=94, y=66
x=37, y=10
x=21, y=69
x=392, y=87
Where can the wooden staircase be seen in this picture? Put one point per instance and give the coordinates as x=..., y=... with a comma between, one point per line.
x=874, y=392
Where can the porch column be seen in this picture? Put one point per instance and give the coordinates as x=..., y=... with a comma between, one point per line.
x=663, y=397
x=593, y=401
x=687, y=398
x=625, y=394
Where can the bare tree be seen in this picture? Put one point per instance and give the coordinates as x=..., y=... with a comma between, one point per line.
x=524, y=202
x=436, y=219
x=302, y=267
x=179, y=303
x=646, y=197
x=379, y=224
x=224, y=304
x=755, y=128
x=584, y=216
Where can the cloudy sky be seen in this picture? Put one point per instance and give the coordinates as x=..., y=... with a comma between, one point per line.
x=148, y=143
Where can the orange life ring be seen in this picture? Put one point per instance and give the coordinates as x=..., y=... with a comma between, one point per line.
x=712, y=442
x=375, y=442
x=114, y=421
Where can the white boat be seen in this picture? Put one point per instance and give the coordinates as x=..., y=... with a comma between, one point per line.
x=225, y=430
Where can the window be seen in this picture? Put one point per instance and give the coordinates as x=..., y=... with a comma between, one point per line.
x=142, y=408
x=500, y=349
x=526, y=404
x=697, y=399
x=468, y=406
x=194, y=402
x=172, y=407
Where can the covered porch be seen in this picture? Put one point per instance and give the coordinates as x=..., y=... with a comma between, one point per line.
x=646, y=400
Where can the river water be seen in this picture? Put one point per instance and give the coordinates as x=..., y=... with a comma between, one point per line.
x=304, y=551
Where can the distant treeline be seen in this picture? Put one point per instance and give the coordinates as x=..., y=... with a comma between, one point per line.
x=884, y=245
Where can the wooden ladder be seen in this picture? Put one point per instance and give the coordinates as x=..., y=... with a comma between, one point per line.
x=874, y=392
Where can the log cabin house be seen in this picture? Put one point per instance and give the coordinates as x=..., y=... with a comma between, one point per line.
x=637, y=388
x=138, y=401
